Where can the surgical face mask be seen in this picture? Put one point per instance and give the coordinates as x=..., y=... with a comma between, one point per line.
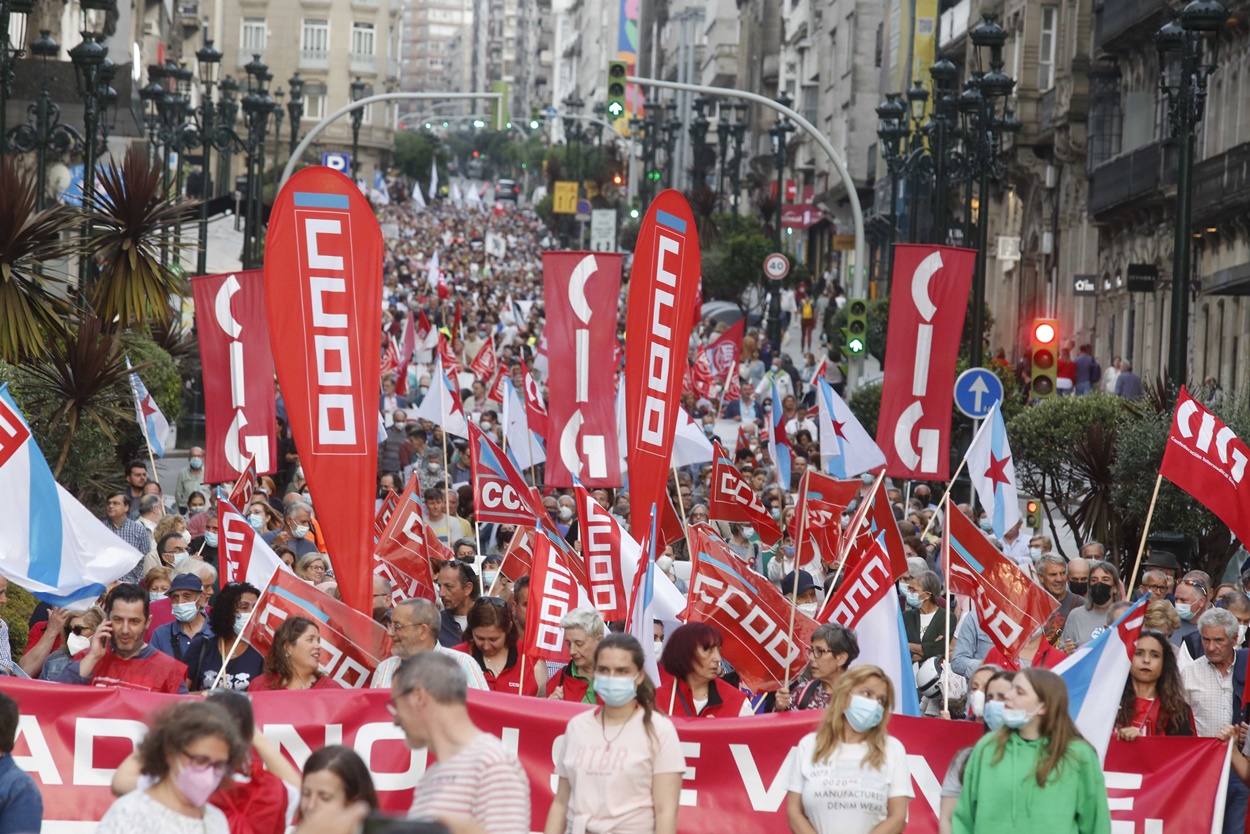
x=196, y=509
x=994, y=714
x=196, y=463
x=307, y=498
x=196, y=784
x=240, y=622
x=432, y=466
x=867, y=480
x=184, y=612
x=210, y=538
x=976, y=702
x=566, y=513
x=615, y=692
x=659, y=648
x=863, y=713
x=299, y=531
x=156, y=596
x=1241, y=635
x=1014, y=719
x=489, y=577
x=1100, y=593
x=76, y=643
x=179, y=558
x=398, y=425
x=487, y=425
x=1035, y=553
x=775, y=513
x=986, y=524
x=808, y=608
x=186, y=536
x=913, y=599
x=256, y=520
x=748, y=532
x=1185, y=611
x=789, y=551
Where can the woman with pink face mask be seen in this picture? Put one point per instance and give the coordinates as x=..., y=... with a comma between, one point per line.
x=190, y=751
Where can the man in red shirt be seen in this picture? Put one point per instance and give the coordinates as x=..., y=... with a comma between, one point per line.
x=118, y=655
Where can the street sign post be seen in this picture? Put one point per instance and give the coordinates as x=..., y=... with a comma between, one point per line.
x=337, y=161
x=564, y=198
x=776, y=266
x=976, y=391
x=603, y=230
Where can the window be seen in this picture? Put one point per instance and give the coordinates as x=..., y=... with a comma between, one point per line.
x=315, y=40
x=1106, y=118
x=1046, y=48
x=811, y=94
x=363, y=39
x=314, y=101
x=252, y=36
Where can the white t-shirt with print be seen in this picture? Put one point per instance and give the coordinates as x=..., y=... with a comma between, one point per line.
x=842, y=794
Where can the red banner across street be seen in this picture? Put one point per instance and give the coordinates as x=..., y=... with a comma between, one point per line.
x=240, y=408
x=71, y=739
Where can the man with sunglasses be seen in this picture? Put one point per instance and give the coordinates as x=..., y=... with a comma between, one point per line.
x=1193, y=599
x=413, y=628
x=118, y=655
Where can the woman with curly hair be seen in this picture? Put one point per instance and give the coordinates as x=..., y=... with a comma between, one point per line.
x=294, y=659
x=1153, y=703
x=226, y=620
x=190, y=751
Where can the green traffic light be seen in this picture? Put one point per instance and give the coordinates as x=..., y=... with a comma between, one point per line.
x=633, y=213
x=616, y=109
x=856, y=345
x=533, y=124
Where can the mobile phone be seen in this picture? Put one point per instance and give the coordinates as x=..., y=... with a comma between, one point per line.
x=381, y=824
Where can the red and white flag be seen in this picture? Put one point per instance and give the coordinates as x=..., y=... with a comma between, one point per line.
x=663, y=289
x=390, y=358
x=605, y=547
x=725, y=350
x=500, y=494
x=1207, y=459
x=352, y=644
x=557, y=586
x=245, y=556
x=536, y=409
x=702, y=375
x=450, y=363
x=929, y=299
x=406, y=546
x=1010, y=606
x=385, y=511
x=749, y=611
x=731, y=498
x=485, y=363
x=245, y=486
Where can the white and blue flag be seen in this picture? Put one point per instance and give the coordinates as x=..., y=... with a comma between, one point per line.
x=846, y=449
x=642, y=615
x=777, y=439
x=1095, y=674
x=49, y=543
x=524, y=446
x=148, y=415
x=993, y=472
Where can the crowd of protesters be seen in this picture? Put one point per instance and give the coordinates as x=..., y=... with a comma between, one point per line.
x=170, y=625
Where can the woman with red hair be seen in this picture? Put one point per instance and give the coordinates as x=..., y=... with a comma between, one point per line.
x=690, y=683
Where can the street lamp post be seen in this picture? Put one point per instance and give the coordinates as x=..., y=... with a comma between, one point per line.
x=295, y=108
x=358, y=92
x=277, y=126
x=227, y=114
x=779, y=133
x=256, y=108
x=698, y=140
x=43, y=130
x=740, y=132
x=10, y=26
x=88, y=57
x=1188, y=49
x=672, y=128
x=208, y=59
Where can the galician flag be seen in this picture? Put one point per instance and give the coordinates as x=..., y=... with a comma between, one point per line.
x=777, y=440
x=993, y=472
x=441, y=404
x=49, y=543
x=640, y=622
x=845, y=448
x=148, y=415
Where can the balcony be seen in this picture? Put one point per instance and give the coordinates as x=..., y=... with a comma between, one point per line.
x=1222, y=185
x=366, y=5
x=953, y=24
x=1115, y=19
x=189, y=13
x=364, y=62
x=1130, y=177
x=314, y=59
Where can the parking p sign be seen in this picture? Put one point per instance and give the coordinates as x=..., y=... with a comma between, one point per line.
x=337, y=161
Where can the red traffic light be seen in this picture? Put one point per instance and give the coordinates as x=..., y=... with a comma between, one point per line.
x=616, y=179
x=1044, y=333
x=1031, y=506
x=475, y=154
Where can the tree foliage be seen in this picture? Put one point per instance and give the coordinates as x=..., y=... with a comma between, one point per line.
x=734, y=263
x=414, y=152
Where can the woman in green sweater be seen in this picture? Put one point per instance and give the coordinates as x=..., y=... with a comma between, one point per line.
x=1036, y=774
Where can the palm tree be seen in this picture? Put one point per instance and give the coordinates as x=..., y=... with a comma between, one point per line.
x=130, y=221
x=33, y=302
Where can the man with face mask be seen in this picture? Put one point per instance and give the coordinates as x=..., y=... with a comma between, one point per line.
x=806, y=599
x=186, y=596
x=296, y=526
x=190, y=479
x=118, y=655
x=1193, y=598
x=205, y=546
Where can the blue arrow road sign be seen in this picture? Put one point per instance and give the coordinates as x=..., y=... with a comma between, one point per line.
x=976, y=391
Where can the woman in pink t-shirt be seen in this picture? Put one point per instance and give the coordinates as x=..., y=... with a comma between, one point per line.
x=621, y=767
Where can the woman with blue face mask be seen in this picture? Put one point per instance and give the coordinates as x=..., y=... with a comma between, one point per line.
x=635, y=783
x=925, y=617
x=1036, y=773
x=987, y=696
x=226, y=619
x=851, y=776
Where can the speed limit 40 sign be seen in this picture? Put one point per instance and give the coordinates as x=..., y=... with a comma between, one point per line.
x=776, y=266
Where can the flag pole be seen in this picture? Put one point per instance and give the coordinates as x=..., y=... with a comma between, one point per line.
x=946, y=615
x=798, y=548
x=1141, y=546
x=958, y=469
x=143, y=424
x=238, y=638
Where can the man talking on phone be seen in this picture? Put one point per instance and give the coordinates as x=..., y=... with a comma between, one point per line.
x=119, y=657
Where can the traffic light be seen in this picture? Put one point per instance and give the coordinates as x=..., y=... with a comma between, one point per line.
x=653, y=176
x=616, y=179
x=1033, y=514
x=1044, y=358
x=499, y=106
x=535, y=123
x=856, y=330
x=617, y=70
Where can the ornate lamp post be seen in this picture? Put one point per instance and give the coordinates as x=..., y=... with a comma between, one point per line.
x=698, y=140
x=779, y=133
x=227, y=114
x=1188, y=48
x=295, y=109
x=672, y=129
x=358, y=115
x=43, y=130
x=11, y=29
x=740, y=132
x=278, y=113
x=212, y=137
x=88, y=57
x=257, y=106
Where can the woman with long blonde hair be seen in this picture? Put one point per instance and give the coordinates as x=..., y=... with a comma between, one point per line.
x=851, y=776
x=1036, y=773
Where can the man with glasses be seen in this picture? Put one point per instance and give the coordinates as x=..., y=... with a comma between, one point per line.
x=1192, y=600
x=1156, y=583
x=474, y=775
x=119, y=657
x=413, y=628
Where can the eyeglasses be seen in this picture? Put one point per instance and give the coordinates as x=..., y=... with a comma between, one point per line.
x=493, y=601
x=392, y=703
x=817, y=653
x=218, y=767
x=1156, y=589
x=78, y=630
